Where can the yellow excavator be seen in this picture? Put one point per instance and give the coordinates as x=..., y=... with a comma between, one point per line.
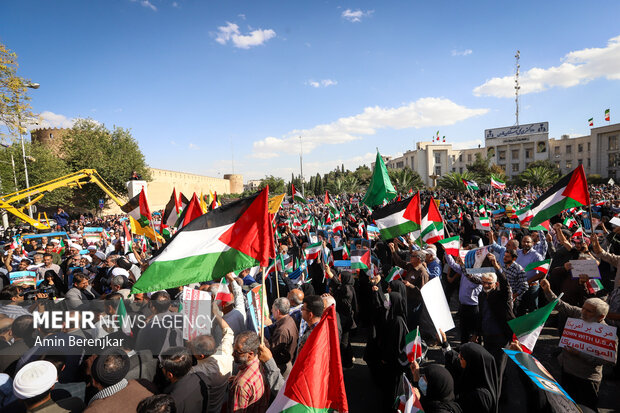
x=76, y=179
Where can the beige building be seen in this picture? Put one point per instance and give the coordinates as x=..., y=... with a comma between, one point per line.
x=252, y=185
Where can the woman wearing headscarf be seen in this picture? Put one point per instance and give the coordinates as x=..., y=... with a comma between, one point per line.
x=436, y=386
x=343, y=290
x=474, y=371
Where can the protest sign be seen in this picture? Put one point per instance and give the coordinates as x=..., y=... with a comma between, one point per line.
x=615, y=221
x=595, y=339
x=98, y=230
x=437, y=306
x=23, y=278
x=196, y=313
x=255, y=296
x=480, y=271
x=556, y=395
x=342, y=264
x=588, y=267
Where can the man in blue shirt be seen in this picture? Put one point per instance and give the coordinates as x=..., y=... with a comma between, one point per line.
x=525, y=256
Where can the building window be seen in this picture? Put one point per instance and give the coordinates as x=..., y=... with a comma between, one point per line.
x=611, y=160
x=412, y=167
x=515, y=167
x=569, y=149
x=580, y=147
x=557, y=164
x=51, y=136
x=438, y=170
x=453, y=169
x=588, y=163
x=469, y=157
x=588, y=146
x=613, y=143
x=437, y=158
x=461, y=158
x=399, y=164
x=460, y=170
x=556, y=150
x=502, y=155
x=515, y=154
x=528, y=154
x=453, y=158
x=569, y=164
x=580, y=161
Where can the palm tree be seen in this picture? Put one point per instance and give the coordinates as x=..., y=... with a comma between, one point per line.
x=454, y=181
x=351, y=184
x=336, y=186
x=405, y=179
x=539, y=176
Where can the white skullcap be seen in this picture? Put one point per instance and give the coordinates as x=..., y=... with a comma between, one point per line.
x=132, y=258
x=91, y=248
x=87, y=258
x=120, y=271
x=100, y=255
x=55, y=241
x=75, y=246
x=34, y=379
x=431, y=252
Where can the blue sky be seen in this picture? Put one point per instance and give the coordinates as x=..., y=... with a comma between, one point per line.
x=197, y=81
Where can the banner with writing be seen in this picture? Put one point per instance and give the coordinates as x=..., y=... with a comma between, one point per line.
x=595, y=339
x=196, y=313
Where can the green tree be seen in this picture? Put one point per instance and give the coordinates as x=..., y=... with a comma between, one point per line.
x=337, y=186
x=454, y=181
x=538, y=176
x=405, y=179
x=113, y=153
x=276, y=185
x=363, y=174
x=351, y=184
x=14, y=107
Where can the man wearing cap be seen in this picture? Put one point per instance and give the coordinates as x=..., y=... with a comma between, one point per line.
x=116, y=393
x=33, y=384
x=433, y=265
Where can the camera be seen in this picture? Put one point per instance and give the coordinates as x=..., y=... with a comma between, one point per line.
x=32, y=294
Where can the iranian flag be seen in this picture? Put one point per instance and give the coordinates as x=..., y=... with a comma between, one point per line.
x=594, y=285
x=123, y=318
x=541, y=266
x=413, y=345
x=172, y=211
x=482, y=211
x=497, y=183
x=223, y=293
x=432, y=223
x=337, y=225
x=313, y=251
x=451, y=245
x=360, y=260
x=407, y=401
x=345, y=252
x=591, y=122
x=138, y=209
x=396, y=273
x=399, y=218
x=298, y=196
x=570, y=222
x=607, y=115
x=568, y=192
x=485, y=221
x=578, y=232
x=316, y=383
x=525, y=215
x=231, y=238
x=470, y=184
x=527, y=328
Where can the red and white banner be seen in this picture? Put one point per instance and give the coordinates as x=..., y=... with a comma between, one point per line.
x=595, y=339
x=196, y=313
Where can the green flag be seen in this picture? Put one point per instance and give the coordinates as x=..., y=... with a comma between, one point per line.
x=380, y=188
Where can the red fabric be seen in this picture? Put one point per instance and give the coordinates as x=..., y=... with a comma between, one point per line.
x=251, y=234
x=144, y=206
x=433, y=211
x=192, y=211
x=413, y=212
x=577, y=187
x=317, y=379
x=326, y=201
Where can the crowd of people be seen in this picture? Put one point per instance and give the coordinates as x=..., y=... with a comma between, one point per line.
x=235, y=369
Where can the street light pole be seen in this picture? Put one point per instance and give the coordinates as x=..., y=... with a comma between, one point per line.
x=21, y=137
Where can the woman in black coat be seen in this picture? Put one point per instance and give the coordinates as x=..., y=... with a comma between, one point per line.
x=346, y=305
x=437, y=389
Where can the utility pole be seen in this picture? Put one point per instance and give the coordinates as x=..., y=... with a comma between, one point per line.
x=517, y=87
x=301, y=165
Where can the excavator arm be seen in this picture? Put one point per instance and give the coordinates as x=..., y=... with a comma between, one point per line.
x=37, y=192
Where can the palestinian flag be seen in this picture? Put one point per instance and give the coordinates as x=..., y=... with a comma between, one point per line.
x=569, y=192
x=594, y=285
x=345, y=252
x=298, y=196
x=380, y=188
x=337, y=225
x=542, y=227
x=396, y=273
x=360, y=260
x=126, y=239
x=316, y=383
x=470, y=184
x=172, y=211
x=407, y=401
x=451, y=245
x=607, y=115
x=191, y=212
x=285, y=264
x=391, y=219
x=527, y=328
x=570, y=222
x=413, y=345
x=432, y=223
x=223, y=293
x=138, y=209
x=230, y=238
x=541, y=266
x=123, y=320
x=591, y=122
x=313, y=251
x=330, y=204
x=497, y=183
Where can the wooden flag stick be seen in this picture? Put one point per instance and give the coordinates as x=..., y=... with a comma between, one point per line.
x=261, y=315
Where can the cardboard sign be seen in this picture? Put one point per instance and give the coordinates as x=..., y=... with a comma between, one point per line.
x=255, y=296
x=480, y=271
x=588, y=267
x=595, y=339
x=437, y=305
x=23, y=278
x=615, y=221
x=196, y=313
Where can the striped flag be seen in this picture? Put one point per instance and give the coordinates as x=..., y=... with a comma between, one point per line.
x=396, y=273
x=594, y=285
x=407, y=401
x=527, y=328
x=607, y=115
x=578, y=233
x=432, y=223
x=360, y=260
x=398, y=218
x=413, y=345
x=497, y=183
x=591, y=122
x=138, y=209
x=345, y=252
x=298, y=196
x=541, y=266
x=451, y=245
x=570, y=222
x=470, y=184
x=337, y=225
x=312, y=251
x=223, y=293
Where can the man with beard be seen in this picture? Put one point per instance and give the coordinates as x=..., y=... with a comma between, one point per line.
x=249, y=391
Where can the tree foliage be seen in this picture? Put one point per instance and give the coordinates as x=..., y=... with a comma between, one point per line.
x=276, y=185
x=405, y=179
x=14, y=107
x=454, y=181
x=482, y=169
x=538, y=176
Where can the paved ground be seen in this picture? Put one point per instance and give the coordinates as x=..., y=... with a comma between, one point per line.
x=362, y=397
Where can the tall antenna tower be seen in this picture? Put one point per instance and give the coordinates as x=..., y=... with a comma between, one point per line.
x=517, y=86
x=301, y=165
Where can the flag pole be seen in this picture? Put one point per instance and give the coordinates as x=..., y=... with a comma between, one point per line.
x=262, y=316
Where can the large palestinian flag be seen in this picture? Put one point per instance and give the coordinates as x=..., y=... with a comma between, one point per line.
x=569, y=192
x=138, y=209
x=231, y=238
x=360, y=259
x=391, y=219
x=432, y=223
x=316, y=383
x=298, y=196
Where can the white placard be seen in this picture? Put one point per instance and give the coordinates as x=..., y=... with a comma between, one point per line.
x=196, y=313
x=588, y=267
x=595, y=339
x=615, y=221
x=437, y=306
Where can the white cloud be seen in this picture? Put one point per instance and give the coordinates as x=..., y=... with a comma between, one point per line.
x=49, y=119
x=425, y=112
x=146, y=3
x=577, y=67
x=241, y=16
x=173, y=143
x=193, y=146
x=356, y=16
x=322, y=83
x=231, y=33
x=175, y=4
x=465, y=52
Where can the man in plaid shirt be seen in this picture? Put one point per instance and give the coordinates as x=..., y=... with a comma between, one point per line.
x=516, y=277
x=249, y=392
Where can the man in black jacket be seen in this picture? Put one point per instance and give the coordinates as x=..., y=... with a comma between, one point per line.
x=189, y=390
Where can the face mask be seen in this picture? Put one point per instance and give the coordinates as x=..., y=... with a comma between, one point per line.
x=487, y=290
x=422, y=385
